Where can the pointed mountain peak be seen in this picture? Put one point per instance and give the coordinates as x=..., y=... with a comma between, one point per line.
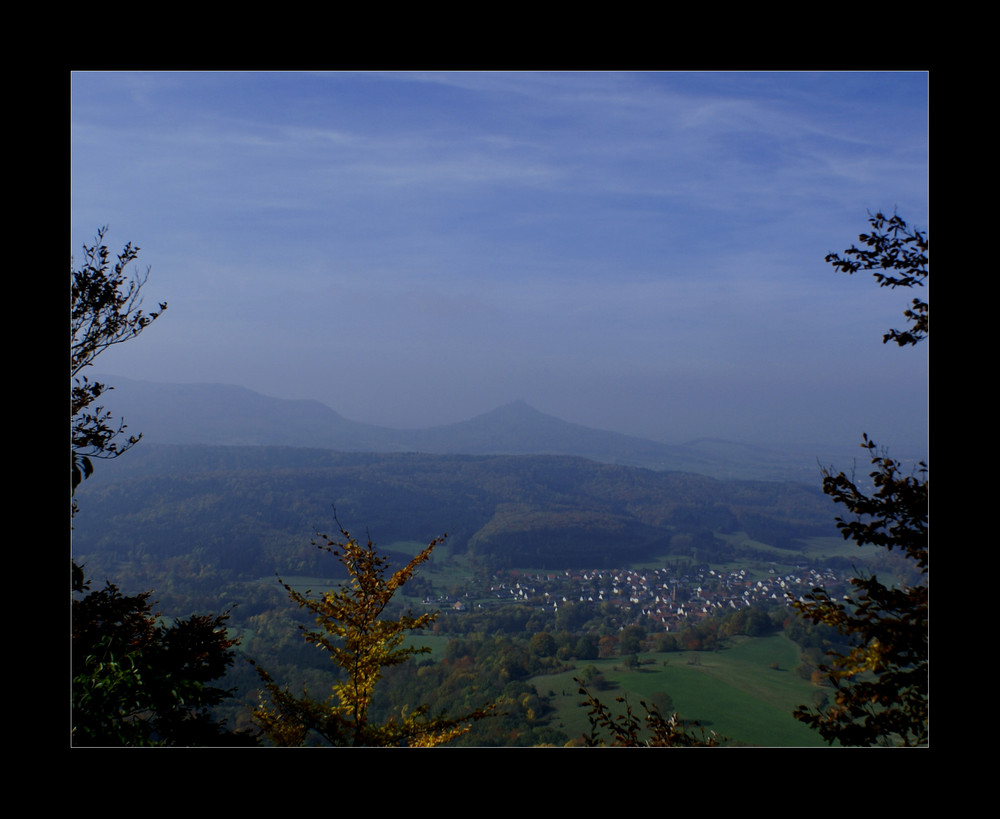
x=516, y=415
x=518, y=407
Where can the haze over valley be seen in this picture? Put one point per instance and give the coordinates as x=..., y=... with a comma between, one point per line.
x=220, y=414
x=580, y=331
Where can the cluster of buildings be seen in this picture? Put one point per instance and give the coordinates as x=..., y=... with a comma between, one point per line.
x=662, y=598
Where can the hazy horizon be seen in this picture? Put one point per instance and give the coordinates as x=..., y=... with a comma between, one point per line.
x=636, y=252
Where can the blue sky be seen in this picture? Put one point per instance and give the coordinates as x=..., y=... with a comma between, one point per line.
x=641, y=252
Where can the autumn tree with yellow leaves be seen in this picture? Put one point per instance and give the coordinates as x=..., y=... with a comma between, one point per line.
x=361, y=640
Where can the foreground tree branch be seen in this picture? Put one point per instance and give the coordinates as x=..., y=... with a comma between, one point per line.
x=881, y=683
x=361, y=642
x=654, y=730
x=897, y=255
x=106, y=310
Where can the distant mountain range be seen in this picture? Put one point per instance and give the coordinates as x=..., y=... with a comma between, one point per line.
x=225, y=415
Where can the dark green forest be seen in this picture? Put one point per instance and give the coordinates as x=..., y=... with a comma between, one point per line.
x=251, y=511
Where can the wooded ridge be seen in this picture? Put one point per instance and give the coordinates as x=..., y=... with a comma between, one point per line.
x=255, y=510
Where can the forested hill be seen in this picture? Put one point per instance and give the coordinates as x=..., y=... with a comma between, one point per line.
x=217, y=414
x=255, y=510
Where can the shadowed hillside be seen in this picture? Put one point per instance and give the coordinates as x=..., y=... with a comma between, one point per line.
x=256, y=509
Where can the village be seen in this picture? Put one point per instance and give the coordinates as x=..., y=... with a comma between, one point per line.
x=661, y=598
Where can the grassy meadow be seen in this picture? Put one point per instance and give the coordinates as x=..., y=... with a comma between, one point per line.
x=745, y=692
x=735, y=692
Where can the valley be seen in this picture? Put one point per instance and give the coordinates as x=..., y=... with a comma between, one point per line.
x=553, y=564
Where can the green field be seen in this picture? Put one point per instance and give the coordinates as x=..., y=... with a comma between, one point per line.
x=735, y=692
x=745, y=692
